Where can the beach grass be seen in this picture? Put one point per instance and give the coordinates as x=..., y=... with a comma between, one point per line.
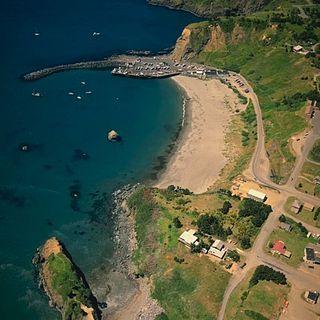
x=262, y=301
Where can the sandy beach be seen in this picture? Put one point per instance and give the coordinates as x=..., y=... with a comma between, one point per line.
x=200, y=157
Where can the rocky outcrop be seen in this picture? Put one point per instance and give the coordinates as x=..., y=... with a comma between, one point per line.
x=208, y=8
x=64, y=283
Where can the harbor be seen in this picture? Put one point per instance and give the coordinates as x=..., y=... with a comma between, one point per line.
x=145, y=67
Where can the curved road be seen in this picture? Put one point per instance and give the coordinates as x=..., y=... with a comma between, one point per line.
x=259, y=169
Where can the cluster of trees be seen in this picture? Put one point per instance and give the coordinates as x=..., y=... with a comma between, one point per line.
x=177, y=223
x=294, y=102
x=179, y=190
x=226, y=207
x=315, y=152
x=297, y=227
x=212, y=225
x=266, y=273
x=258, y=211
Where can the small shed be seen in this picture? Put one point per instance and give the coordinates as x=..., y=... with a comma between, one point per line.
x=285, y=226
x=308, y=206
x=311, y=296
x=257, y=195
x=297, y=48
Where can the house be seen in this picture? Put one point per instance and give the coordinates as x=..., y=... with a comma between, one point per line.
x=311, y=296
x=312, y=254
x=297, y=48
x=257, y=195
x=296, y=206
x=280, y=248
x=285, y=226
x=188, y=238
x=218, y=249
x=308, y=206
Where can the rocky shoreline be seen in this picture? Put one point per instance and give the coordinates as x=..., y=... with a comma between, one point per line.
x=139, y=305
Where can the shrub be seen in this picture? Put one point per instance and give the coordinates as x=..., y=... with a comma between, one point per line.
x=177, y=223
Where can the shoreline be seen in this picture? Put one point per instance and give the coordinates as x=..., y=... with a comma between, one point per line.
x=136, y=302
x=205, y=103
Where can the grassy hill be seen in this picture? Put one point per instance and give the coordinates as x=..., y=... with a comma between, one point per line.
x=260, y=47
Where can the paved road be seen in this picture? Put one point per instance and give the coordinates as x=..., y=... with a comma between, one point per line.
x=259, y=169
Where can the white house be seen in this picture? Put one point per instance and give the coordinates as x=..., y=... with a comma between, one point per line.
x=188, y=238
x=217, y=249
x=257, y=195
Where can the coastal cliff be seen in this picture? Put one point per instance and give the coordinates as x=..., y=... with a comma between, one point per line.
x=207, y=8
x=64, y=283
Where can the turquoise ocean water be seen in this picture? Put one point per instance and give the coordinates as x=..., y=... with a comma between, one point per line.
x=36, y=186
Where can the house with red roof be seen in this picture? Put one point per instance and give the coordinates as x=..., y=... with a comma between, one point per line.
x=280, y=248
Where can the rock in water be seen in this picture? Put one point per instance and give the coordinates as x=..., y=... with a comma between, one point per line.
x=113, y=136
x=64, y=283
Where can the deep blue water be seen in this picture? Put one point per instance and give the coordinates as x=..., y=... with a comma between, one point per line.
x=35, y=186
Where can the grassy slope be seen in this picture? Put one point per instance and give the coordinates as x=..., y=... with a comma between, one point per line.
x=190, y=290
x=265, y=298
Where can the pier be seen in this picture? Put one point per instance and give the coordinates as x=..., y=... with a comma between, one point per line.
x=144, y=67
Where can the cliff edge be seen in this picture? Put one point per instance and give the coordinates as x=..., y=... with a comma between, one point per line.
x=64, y=283
x=208, y=8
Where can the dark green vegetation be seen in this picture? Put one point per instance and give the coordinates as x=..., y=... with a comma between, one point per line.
x=64, y=283
x=208, y=8
x=260, y=47
x=69, y=285
x=187, y=286
x=259, y=297
x=315, y=152
x=266, y=273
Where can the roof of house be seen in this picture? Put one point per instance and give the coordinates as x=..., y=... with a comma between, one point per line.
x=218, y=253
x=279, y=246
x=285, y=226
x=188, y=237
x=257, y=194
x=297, y=48
x=218, y=244
x=296, y=204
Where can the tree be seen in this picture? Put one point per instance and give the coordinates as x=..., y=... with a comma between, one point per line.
x=226, y=207
x=266, y=273
x=234, y=255
x=177, y=223
x=245, y=242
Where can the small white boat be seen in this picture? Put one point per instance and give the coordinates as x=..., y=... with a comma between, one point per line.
x=79, y=97
x=117, y=98
x=36, y=94
x=71, y=93
x=88, y=92
x=96, y=33
x=83, y=82
x=37, y=34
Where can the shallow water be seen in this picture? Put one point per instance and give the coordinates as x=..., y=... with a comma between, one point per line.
x=36, y=187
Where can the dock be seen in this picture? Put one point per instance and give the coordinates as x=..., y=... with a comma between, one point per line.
x=143, y=67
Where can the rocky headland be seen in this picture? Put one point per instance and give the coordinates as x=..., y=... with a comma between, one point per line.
x=64, y=283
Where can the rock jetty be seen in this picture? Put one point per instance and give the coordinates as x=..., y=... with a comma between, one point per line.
x=64, y=283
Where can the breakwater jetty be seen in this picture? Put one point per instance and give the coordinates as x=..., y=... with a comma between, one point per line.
x=158, y=66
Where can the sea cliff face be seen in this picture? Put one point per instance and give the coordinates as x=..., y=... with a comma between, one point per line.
x=64, y=283
x=207, y=8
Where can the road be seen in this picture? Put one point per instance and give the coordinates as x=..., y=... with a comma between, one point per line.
x=259, y=169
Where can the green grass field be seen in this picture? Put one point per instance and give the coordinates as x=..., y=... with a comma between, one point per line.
x=294, y=242
x=264, y=300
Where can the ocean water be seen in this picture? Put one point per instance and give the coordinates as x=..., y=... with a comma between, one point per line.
x=36, y=187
